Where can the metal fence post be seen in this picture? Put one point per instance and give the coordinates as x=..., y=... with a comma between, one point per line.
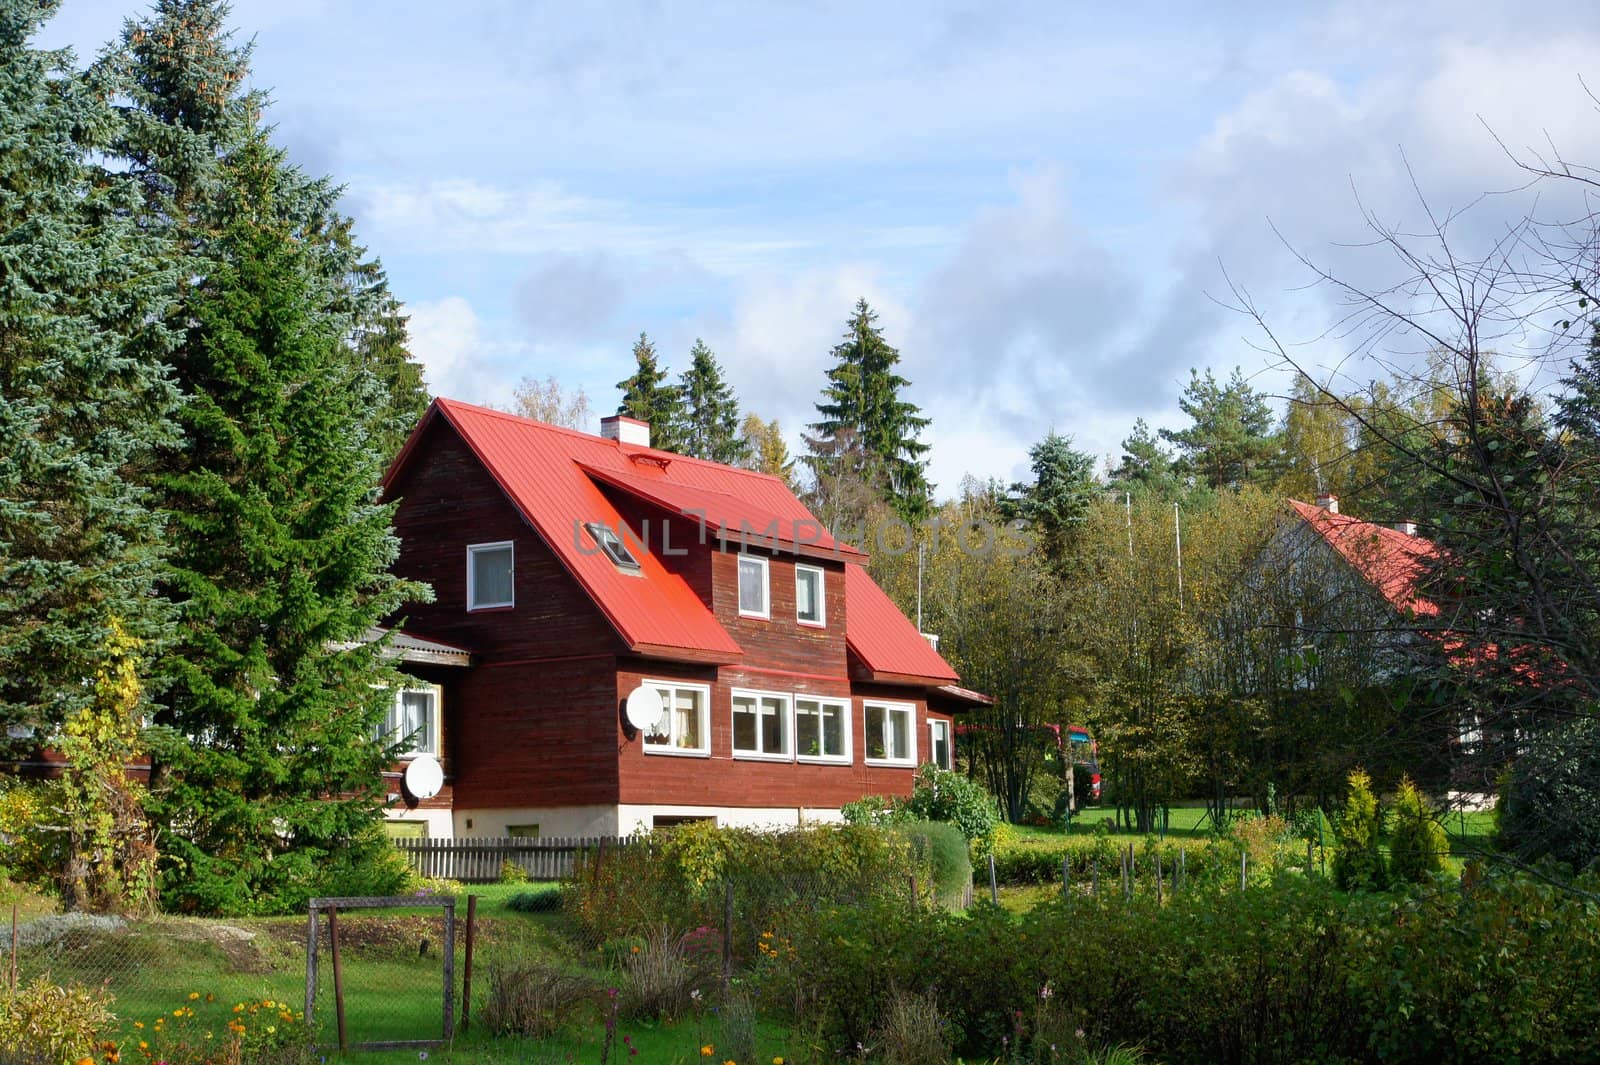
x=994, y=887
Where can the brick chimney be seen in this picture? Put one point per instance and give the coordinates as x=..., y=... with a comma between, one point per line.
x=1329, y=502
x=625, y=430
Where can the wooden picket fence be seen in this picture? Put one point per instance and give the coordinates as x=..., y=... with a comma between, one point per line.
x=478, y=861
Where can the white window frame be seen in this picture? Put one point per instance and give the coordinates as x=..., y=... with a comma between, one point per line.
x=785, y=720
x=821, y=620
x=844, y=712
x=890, y=708
x=667, y=689
x=472, y=565
x=765, y=613
x=935, y=726
x=392, y=716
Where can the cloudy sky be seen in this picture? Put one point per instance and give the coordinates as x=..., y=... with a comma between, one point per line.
x=1039, y=199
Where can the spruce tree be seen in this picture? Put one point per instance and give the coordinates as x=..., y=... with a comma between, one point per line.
x=649, y=396
x=83, y=397
x=862, y=402
x=1231, y=442
x=1056, y=503
x=280, y=562
x=711, y=428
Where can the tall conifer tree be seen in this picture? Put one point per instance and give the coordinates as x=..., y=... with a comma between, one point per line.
x=862, y=403
x=292, y=363
x=83, y=397
x=650, y=396
x=711, y=428
x=280, y=563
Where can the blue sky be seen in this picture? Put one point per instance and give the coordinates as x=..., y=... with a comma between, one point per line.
x=1039, y=199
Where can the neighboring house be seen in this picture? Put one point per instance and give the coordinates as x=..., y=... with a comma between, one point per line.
x=570, y=570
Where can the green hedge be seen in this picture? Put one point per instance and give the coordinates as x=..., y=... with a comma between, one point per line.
x=1038, y=861
x=1291, y=972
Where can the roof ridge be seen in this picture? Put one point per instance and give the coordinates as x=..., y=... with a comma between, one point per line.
x=592, y=438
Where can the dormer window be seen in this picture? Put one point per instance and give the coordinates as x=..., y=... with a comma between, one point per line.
x=809, y=608
x=611, y=545
x=753, y=590
x=489, y=576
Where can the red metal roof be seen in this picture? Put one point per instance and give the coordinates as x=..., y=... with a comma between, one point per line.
x=553, y=476
x=740, y=520
x=883, y=639
x=540, y=468
x=1390, y=560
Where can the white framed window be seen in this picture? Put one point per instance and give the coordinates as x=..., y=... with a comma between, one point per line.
x=490, y=568
x=761, y=725
x=754, y=598
x=685, y=724
x=810, y=604
x=611, y=545
x=821, y=729
x=890, y=733
x=939, y=752
x=413, y=719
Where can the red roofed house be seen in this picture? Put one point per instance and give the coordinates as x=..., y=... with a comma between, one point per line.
x=570, y=570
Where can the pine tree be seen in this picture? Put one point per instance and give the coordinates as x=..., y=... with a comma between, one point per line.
x=1145, y=466
x=280, y=559
x=648, y=396
x=1057, y=502
x=1231, y=442
x=292, y=363
x=83, y=398
x=862, y=400
x=711, y=410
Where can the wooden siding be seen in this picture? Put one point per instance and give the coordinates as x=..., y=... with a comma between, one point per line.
x=447, y=501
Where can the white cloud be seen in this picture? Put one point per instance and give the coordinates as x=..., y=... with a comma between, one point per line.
x=458, y=361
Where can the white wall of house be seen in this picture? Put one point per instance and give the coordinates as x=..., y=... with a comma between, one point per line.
x=438, y=822
x=624, y=819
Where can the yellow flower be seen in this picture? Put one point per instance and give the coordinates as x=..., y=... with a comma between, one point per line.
x=239, y=1008
x=777, y=1061
x=138, y=1024
x=730, y=1061
x=143, y=1045
x=272, y=1029
x=705, y=1051
x=193, y=995
x=85, y=1061
x=177, y=1013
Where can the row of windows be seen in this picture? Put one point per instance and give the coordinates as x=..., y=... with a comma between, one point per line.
x=785, y=727
x=490, y=584
x=755, y=599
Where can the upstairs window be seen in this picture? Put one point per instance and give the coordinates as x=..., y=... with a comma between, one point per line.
x=684, y=727
x=760, y=725
x=939, y=740
x=821, y=729
x=891, y=739
x=413, y=720
x=489, y=573
x=611, y=545
x=809, y=608
x=753, y=597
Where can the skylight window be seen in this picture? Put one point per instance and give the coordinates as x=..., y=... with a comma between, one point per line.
x=611, y=545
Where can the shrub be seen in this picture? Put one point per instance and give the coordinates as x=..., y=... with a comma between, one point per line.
x=512, y=873
x=1358, y=863
x=660, y=975
x=913, y=1031
x=942, y=795
x=1551, y=808
x=30, y=852
x=941, y=849
x=532, y=998
x=45, y=1023
x=1263, y=838
x=1417, y=846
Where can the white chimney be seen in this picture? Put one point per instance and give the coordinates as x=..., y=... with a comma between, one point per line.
x=625, y=430
x=1329, y=502
x=1407, y=527
x=932, y=638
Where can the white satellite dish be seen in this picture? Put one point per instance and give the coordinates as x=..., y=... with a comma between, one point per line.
x=424, y=777
x=645, y=708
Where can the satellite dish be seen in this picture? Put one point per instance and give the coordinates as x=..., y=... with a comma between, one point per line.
x=424, y=777
x=645, y=708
